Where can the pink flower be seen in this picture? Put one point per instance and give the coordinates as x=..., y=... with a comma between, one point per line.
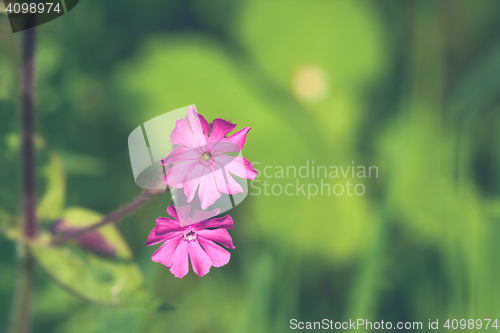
x=203, y=161
x=183, y=238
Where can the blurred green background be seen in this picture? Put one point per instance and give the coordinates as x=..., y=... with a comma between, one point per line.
x=409, y=86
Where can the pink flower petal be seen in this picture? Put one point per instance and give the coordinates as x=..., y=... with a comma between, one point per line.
x=177, y=173
x=164, y=254
x=238, y=166
x=218, y=255
x=180, y=154
x=220, y=181
x=238, y=137
x=225, y=222
x=205, y=126
x=220, y=128
x=227, y=184
x=190, y=188
x=182, y=135
x=172, y=211
x=165, y=225
x=200, y=261
x=183, y=214
x=221, y=147
x=200, y=216
x=208, y=191
x=180, y=265
x=199, y=125
x=154, y=239
x=196, y=171
x=220, y=236
x=233, y=186
x=193, y=178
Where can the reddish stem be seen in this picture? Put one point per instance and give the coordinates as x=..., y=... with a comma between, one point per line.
x=110, y=218
x=27, y=103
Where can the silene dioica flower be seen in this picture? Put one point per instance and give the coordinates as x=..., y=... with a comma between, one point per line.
x=201, y=159
x=182, y=239
x=204, y=159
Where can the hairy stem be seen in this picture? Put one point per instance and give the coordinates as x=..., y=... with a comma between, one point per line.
x=21, y=315
x=27, y=102
x=110, y=218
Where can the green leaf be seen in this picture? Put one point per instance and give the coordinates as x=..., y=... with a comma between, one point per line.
x=4, y=216
x=52, y=203
x=10, y=225
x=116, y=281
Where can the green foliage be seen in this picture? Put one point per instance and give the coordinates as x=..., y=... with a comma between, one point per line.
x=411, y=89
x=477, y=89
x=52, y=203
x=114, y=281
x=345, y=38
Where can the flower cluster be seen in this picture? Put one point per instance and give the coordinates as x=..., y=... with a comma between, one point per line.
x=203, y=161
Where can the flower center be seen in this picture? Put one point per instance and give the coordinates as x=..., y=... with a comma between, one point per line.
x=206, y=156
x=190, y=235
